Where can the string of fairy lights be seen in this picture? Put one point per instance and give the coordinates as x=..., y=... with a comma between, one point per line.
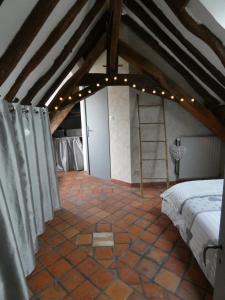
x=157, y=92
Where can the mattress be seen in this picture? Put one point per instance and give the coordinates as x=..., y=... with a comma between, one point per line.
x=194, y=207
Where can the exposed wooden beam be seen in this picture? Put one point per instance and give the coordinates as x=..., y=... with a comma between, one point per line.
x=25, y=36
x=94, y=35
x=116, y=10
x=153, y=43
x=85, y=93
x=141, y=80
x=59, y=116
x=199, y=30
x=65, y=52
x=176, y=50
x=54, y=36
x=198, y=110
x=97, y=81
x=68, y=87
x=189, y=46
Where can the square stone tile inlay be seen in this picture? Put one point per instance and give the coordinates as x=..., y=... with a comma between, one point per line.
x=103, y=239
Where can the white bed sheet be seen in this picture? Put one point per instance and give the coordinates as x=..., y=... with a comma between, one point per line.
x=177, y=204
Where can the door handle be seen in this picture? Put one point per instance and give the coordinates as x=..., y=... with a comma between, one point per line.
x=210, y=247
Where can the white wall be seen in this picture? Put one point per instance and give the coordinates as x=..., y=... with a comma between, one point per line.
x=84, y=134
x=178, y=123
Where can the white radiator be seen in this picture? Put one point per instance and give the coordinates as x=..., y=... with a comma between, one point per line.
x=201, y=159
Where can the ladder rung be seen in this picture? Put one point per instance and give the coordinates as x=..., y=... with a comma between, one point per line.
x=153, y=141
x=154, y=123
x=153, y=159
x=149, y=105
x=155, y=178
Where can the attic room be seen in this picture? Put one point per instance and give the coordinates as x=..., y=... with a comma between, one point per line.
x=112, y=149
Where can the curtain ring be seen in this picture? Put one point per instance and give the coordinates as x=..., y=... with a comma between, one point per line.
x=11, y=109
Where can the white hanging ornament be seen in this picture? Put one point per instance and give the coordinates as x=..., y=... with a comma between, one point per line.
x=177, y=152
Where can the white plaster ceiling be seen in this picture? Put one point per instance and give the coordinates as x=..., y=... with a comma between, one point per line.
x=22, y=9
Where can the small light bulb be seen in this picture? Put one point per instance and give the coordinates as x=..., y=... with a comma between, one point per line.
x=182, y=99
x=192, y=100
x=163, y=93
x=154, y=91
x=172, y=97
x=115, y=78
x=61, y=98
x=106, y=79
x=56, y=107
x=70, y=98
x=125, y=79
x=80, y=95
x=89, y=92
x=134, y=85
x=98, y=84
x=143, y=90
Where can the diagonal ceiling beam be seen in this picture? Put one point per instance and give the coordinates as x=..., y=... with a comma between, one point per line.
x=94, y=35
x=153, y=8
x=155, y=45
x=65, y=52
x=197, y=29
x=25, y=36
x=51, y=40
x=187, y=60
x=70, y=85
x=116, y=11
x=198, y=110
x=59, y=116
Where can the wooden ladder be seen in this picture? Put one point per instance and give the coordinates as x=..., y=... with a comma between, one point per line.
x=141, y=141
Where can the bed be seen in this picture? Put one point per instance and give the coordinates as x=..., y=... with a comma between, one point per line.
x=194, y=207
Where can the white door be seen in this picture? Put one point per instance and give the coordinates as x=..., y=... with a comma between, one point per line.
x=219, y=291
x=97, y=116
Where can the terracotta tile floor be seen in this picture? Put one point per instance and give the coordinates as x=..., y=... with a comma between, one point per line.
x=148, y=260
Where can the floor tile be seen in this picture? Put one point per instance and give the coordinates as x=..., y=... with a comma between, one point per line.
x=104, y=227
x=147, y=268
x=157, y=255
x=71, y=280
x=168, y=280
x=189, y=291
x=103, y=253
x=59, y=268
x=119, y=290
x=130, y=259
x=39, y=281
x=54, y=291
x=122, y=238
x=145, y=257
x=102, y=278
x=86, y=291
x=84, y=239
x=129, y=276
x=77, y=256
x=88, y=267
x=154, y=291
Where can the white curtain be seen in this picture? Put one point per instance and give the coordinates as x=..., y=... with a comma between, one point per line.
x=28, y=192
x=69, y=154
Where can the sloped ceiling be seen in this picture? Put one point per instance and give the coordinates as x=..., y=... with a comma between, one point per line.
x=185, y=57
x=11, y=26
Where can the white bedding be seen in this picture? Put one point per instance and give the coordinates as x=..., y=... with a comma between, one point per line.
x=194, y=207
